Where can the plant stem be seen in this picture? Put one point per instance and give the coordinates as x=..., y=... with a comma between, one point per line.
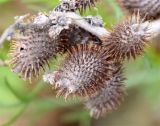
x=16, y=116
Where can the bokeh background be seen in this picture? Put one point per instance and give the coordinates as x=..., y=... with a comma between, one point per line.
x=25, y=104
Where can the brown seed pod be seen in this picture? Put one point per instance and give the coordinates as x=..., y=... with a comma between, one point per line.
x=109, y=98
x=127, y=40
x=148, y=8
x=73, y=5
x=31, y=49
x=83, y=72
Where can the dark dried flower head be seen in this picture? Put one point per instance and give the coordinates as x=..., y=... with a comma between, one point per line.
x=73, y=5
x=109, y=98
x=83, y=4
x=30, y=51
x=128, y=38
x=66, y=6
x=83, y=72
x=148, y=8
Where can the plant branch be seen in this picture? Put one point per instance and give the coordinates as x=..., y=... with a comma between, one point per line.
x=75, y=19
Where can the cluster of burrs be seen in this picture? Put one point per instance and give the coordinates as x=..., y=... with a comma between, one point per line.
x=93, y=56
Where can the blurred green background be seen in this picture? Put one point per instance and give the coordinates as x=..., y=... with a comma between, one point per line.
x=35, y=104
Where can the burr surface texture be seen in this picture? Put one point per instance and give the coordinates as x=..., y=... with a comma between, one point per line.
x=128, y=39
x=84, y=71
x=31, y=49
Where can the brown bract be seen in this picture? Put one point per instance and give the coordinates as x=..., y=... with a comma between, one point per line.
x=84, y=71
x=128, y=39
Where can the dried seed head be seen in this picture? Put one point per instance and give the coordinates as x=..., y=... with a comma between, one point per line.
x=128, y=38
x=84, y=71
x=109, y=98
x=73, y=5
x=148, y=8
x=31, y=49
x=35, y=41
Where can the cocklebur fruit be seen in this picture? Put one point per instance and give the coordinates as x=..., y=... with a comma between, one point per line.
x=32, y=47
x=128, y=39
x=84, y=71
x=30, y=51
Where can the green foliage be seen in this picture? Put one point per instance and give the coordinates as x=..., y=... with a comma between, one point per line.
x=4, y=1
x=43, y=5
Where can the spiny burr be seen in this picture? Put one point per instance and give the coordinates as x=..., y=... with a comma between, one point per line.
x=84, y=71
x=109, y=98
x=128, y=39
x=32, y=48
x=30, y=51
x=150, y=9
